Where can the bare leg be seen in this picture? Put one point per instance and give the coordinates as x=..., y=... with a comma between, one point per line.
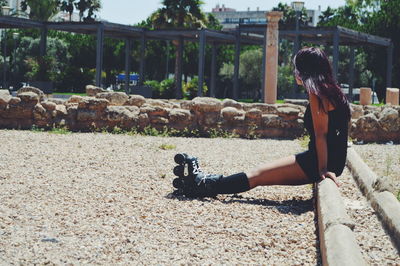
x=284, y=171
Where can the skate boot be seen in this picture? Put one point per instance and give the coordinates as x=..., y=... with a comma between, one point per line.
x=191, y=181
x=186, y=171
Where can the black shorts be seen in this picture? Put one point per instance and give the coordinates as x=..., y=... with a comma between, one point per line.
x=309, y=164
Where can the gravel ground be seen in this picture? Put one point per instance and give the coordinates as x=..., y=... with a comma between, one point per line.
x=106, y=199
x=375, y=244
x=384, y=160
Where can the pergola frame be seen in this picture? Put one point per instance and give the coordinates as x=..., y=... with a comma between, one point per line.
x=242, y=35
x=332, y=36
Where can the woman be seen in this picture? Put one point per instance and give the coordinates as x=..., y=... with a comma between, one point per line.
x=326, y=120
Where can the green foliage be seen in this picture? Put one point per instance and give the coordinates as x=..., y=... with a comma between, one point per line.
x=398, y=195
x=179, y=14
x=167, y=88
x=167, y=147
x=289, y=15
x=285, y=80
x=42, y=10
x=304, y=140
x=191, y=87
x=41, y=68
x=60, y=130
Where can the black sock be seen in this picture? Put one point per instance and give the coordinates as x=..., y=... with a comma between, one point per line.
x=233, y=184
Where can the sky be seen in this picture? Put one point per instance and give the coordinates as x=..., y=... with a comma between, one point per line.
x=134, y=11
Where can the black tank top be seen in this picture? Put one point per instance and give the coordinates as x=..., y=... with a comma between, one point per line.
x=336, y=138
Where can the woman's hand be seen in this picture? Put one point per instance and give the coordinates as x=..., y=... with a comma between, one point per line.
x=326, y=174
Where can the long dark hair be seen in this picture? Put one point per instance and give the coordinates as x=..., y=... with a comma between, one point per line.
x=312, y=67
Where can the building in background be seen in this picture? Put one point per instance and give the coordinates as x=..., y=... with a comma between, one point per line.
x=230, y=18
x=15, y=7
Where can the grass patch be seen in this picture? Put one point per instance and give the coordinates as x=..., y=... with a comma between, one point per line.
x=398, y=195
x=304, y=140
x=167, y=147
x=60, y=130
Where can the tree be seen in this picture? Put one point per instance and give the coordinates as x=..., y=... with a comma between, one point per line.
x=289, y=15
x=68, y=6
x=42, y=10
x=87, y=5
x=179, y=14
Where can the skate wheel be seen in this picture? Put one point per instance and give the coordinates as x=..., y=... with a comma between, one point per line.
x=180, y=158
x=179, y=170
x=177, y=183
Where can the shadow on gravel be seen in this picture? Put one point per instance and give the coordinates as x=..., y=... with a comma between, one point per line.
x=294, y=206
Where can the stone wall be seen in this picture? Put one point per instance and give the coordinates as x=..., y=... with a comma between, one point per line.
x=106, y=110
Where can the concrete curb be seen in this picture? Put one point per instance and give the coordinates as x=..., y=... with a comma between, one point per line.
x=384, y=203
x=337, y=240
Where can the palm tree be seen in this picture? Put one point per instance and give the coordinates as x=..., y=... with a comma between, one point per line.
x=179, y=14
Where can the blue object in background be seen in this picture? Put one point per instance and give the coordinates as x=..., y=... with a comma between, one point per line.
x=132, y=78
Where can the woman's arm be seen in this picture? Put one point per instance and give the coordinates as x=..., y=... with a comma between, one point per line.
x=320, y=124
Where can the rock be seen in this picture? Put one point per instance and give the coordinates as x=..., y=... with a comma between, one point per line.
x=37, y=91
x=288, y=113
x=206, y=104
x=29, y=98
x=115, y=98
x=229, y=113
x=122, y=114
x=154, y=110
x=389, y=119
x=5, y=97
x=356, y=111
x=367, y=123
x=232, y=103
x=296, y=102
x=50, y=106
x=75, y=99
x=57, y=101
x=91, y=90
x=86, y=115
x=272, y=121
x=41, y=116
x=61, y=110
x=186, y=104
x=253, y=114
x=93, y=103
x=135, y=100
x=180, y=115
x=158, y=103
x=14, y=101
x=263, y=107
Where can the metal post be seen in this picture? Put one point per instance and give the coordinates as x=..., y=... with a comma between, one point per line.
x=142, y=58
x=351, y=73
x=178, y=92
x=263, y=66
x=213, y=69
x=43, y=41
x=5, y=60
x=127, y=64
x=336, y=54
x=389, y=67
x=296, y=47
x=99, y=54
x=167, y=62
x=236, y=66
x=202, y=46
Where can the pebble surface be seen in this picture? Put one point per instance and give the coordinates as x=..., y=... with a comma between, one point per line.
x=384, y=160
x=106, y=199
